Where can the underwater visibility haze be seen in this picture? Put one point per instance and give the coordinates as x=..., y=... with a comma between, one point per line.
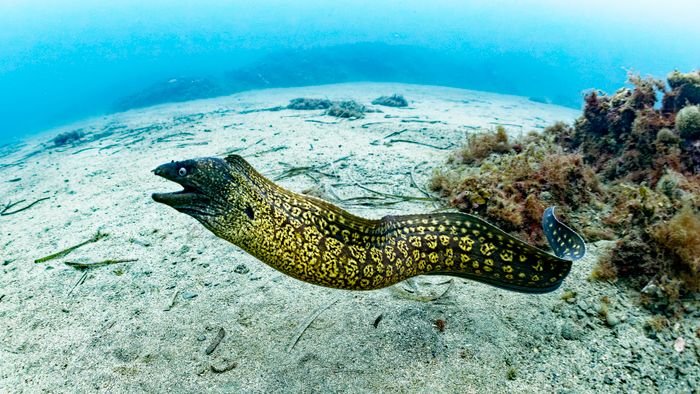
x=61, y=61
x=350, y=196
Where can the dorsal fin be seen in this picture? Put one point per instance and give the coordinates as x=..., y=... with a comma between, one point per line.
x=234, y=159
x=565, y=242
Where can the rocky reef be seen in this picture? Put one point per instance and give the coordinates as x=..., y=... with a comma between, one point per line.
x=307, y=104
x=68, y=137
x=627, y=170
x=348, y=109
x=395, y=100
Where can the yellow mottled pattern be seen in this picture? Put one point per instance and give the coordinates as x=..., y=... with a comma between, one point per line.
x=316, y=242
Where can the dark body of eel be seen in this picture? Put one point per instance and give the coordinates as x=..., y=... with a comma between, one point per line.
x=317, y=242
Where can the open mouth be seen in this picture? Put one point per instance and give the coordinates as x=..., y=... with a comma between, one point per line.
x=189, y=200
x=183, y=197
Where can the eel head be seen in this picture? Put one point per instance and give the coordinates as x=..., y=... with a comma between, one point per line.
x=204, y=181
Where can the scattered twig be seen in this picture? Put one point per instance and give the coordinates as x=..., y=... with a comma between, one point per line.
x=6, y=165
x=9, y=350
x=377, y=320
x=172, y=301
x=64, y=252
x=319, y=121
x=275, y=149
x=292, y=172
x=186, y=144
x=85, y=268
x=270, y=109
x=296, y=171
x=10, y=205
x=241, y=149
x=169, y=137
x=307, y=170
x=216, y=341
x=79, y=282
x=28, y=155
x=422, y=121
x=366, y=125
x=6, y=212
x=343, y=158
x=452, y=281
x=411, y=282
x=370, y=201
x=395, y=133
x=449, y=146
x=134, y=141
x=84, y=149
x=343, y=184
x=82, y=266
x=415, y=184
x=303, y=327
x=107, y=147
x=10, y=148
x=397, y=196
x=109, y=325
x=416, y=297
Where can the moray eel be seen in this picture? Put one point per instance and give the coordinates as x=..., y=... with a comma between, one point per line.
x=317, y=242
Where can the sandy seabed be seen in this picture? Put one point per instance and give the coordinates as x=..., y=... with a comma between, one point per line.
x=145, y=325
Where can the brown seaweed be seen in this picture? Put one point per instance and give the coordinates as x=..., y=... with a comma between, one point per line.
x=626, y=169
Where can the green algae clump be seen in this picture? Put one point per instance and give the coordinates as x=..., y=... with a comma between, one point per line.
x=688, y=122
x=306, y=104
x=347, y=109
x=685, y=90
x=394, y=100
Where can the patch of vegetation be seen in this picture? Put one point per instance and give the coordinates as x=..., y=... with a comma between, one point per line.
x=349, y=109
x=688, y=122
x=68, y=138
x=627, y=169
x=685, y=90
x=394, y=100
x=511, y=183
x=309, y=104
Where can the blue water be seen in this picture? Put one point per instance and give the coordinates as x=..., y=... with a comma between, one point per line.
x=61, y=61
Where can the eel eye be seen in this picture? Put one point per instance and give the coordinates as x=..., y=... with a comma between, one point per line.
x=182, y=171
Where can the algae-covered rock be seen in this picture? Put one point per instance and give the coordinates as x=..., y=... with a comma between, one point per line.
x=303, y=103
x=69, y=137
x=678, y=79
x=347, y=109
x=394, y=100
x=666, y=137
x=685, y=90
x=627, y=169
x=688, y=122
